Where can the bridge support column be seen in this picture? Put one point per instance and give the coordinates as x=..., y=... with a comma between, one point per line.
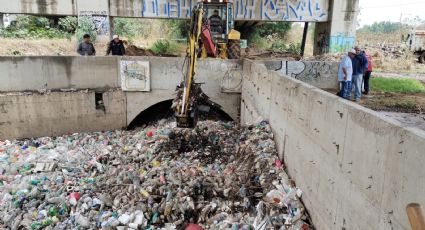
x=339, y=33
x=1, y=21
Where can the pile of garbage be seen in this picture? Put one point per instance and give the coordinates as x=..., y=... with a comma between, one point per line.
x=216, y=176
x=133, y=50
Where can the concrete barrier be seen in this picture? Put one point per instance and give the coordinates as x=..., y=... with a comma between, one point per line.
x=33, y=115
x=26, y=116
x=357, y=169
x=320, y=74
x=57, y=72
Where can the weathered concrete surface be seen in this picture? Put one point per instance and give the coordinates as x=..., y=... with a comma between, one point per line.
x=286, y=10
x=24, y=116
x=320, y=74
x=35, y=73
x=296, y=10
x=166, y=74
x=223, y=82
x=357, y=169
x=338, y=34
x=42, y=7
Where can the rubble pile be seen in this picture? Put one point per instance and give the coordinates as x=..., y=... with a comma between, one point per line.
x=326, y=57
x=218, y=176
x=388, y=50
x=133, y=50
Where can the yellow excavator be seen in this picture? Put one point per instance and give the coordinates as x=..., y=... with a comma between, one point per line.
x=203, y=41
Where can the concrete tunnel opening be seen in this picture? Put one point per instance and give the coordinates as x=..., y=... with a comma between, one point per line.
x=162, y=110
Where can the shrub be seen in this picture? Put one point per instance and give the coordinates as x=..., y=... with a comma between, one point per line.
x=68, y=24
x=164, y=47
x=131, y=28
x=32, y=27
x=176, y=28
x=86, y=26
x=293, y=48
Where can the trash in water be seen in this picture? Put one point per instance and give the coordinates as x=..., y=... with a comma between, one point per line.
x=216, y=176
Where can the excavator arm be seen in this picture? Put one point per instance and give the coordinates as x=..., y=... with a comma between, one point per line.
x=189, y=93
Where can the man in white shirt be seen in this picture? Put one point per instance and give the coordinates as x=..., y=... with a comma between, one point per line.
x=345, y=74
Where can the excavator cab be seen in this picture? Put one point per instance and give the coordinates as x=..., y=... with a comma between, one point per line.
x=220, y=16
x=211, y=26
x=225, y=39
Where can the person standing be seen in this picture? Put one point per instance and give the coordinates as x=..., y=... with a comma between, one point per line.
x=116, y=47
x=216, y=22
x=359, y=68
x=86, y=47
x=345, y=72
x=367, y=74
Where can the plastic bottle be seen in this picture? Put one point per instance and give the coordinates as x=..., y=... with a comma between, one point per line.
x=36, y=225
x=35, y=182
x=53, y=211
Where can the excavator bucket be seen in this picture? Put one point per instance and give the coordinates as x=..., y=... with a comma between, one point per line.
x=186, y=121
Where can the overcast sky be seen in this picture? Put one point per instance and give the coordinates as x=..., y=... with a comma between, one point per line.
x=390, y=10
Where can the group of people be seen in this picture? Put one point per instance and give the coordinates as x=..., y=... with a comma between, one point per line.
x=354, y=72
x=115, y=47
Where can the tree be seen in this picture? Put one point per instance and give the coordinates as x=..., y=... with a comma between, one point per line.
x=86, y=26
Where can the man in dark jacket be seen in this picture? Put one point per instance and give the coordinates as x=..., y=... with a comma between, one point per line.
x=360, y=65
x=86, y=48
x=116, y=46
x=216, y=23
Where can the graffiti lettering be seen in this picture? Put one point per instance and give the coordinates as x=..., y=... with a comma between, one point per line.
x=314, y=70
x=135, y=76
x=280, y=10
x=100, y=20
x=91, y=12
x=273, y=10
x=167, y=8
x=306, y=71
x=341, y=43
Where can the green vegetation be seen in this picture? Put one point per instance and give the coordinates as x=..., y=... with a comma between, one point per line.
x=264, y=35
x=68, y=24
x=383, y=27
x=291, y=48
x=131, y=28
x=86, y=26
x=39, y=27
x=397, y=85
x=175, y=28
x=164, y=47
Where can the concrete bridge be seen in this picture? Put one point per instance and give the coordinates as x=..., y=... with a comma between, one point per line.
x=356, y=168
x=127, y=87
x=335, y=28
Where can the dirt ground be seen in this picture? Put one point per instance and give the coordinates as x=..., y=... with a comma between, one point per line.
x=43, y=47
x=395, y=102
x=408, y=109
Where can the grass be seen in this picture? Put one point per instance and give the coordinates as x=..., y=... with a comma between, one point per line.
x=397, y=85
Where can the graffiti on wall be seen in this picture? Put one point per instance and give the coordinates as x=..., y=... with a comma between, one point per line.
x=100, y=20
x=167, y=8
x=135, y=75
x=341, y=43
x=305, y=71
x=273, y=10
x=280, y=10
